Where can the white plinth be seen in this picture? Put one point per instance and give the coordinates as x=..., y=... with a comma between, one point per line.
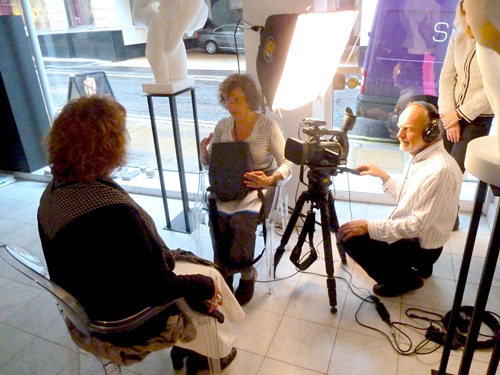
x=482, y=161
x=169, y=87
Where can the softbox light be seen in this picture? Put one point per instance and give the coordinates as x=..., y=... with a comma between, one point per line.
x=299, y=55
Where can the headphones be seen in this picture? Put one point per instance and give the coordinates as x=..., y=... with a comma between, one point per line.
x=433, y=130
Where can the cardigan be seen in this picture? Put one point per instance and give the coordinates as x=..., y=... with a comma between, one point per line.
x=460, y=84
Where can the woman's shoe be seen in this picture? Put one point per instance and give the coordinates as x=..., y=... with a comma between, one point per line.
x=245, y=290
x=178, y=354
x=197, y=362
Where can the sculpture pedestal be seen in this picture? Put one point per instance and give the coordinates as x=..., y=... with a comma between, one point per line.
x=181, y=223
x=482, y=162
x=169, y=87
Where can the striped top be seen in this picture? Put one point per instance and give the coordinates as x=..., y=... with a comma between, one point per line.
x=427, y=200
x=460, y=84
x=267, y=144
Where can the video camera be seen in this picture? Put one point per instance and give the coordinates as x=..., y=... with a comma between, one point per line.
x=318, y=151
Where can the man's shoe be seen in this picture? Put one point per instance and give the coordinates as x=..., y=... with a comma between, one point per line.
x=425, y=271
x=393, y=290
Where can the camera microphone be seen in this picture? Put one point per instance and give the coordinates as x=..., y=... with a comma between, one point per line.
x=349, y=120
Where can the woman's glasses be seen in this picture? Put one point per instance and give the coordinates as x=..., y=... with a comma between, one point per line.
x=235, y=100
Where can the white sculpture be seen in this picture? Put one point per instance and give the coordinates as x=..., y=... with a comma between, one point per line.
x=167, y=22
x=483, y=154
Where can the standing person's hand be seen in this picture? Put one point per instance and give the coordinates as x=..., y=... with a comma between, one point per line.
x=204, y=155
x=450, y=121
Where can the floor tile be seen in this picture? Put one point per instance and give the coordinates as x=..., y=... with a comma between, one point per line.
x=273, y=367
x=290, y=331
x=356, y=353
x=303, y=344
x=257, y=330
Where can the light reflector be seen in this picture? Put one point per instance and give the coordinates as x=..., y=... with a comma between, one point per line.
x=299, y=55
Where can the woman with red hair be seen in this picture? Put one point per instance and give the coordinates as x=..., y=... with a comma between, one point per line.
x=104, y=249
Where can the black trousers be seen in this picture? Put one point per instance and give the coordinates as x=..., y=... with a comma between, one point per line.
x=390, y=263
x=234, y=244
x=237, y=234
x=480, y=127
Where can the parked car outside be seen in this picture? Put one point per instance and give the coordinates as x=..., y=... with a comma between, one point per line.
x=220, y=39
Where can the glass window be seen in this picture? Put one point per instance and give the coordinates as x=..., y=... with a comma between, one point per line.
x=80, y=13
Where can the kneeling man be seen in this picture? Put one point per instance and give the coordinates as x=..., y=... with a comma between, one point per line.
x=400, y=251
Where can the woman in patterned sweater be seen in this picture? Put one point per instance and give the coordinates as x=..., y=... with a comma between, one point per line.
x=104, y=249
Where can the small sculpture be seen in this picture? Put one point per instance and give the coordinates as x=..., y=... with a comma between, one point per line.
x=167, y=21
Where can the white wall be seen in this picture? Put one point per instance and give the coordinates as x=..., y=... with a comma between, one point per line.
x=105, y=14
x=56, y=12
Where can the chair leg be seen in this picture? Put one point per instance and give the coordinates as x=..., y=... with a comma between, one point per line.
x=73, y=357
x=269, y=253
x=211, y=343
x=198, y=215
x=208, y=328
x=112, y=369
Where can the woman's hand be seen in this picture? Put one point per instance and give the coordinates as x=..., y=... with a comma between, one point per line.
x=450, y=121
x=204, y=155
x=216, y=299
x=258, y=179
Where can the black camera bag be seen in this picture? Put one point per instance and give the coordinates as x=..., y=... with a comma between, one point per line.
x=229, y=161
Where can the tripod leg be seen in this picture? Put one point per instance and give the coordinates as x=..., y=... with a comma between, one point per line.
x=327, y=246
x=280, y=250
x=334, y=226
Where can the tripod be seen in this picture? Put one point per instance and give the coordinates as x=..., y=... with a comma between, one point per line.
x=320, y=196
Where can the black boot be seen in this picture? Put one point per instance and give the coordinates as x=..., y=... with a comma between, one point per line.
x=197, y=362
x=178, y=354
x=244, y=292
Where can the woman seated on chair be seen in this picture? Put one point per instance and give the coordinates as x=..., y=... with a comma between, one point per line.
x=237, y=222
x=104, y=249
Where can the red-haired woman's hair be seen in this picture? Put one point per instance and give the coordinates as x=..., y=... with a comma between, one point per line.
x=88, y=139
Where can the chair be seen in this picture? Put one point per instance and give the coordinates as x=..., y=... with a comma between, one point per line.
x=199, y=214
x=83, y=330
x=277, y=213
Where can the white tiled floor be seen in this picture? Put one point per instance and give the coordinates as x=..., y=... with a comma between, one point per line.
x=288, y=332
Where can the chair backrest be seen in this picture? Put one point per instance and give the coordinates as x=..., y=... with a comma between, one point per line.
x=30, y=266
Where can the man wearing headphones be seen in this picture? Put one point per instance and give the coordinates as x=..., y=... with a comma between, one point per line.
x=400, y=251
